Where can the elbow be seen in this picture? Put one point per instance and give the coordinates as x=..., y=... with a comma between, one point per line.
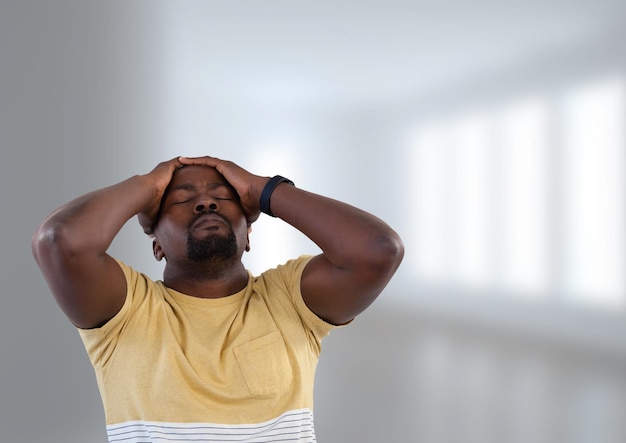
x=51, y=240
x=386, y=254
x=395, y=252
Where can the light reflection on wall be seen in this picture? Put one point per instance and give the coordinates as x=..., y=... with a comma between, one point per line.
x=525, y=196
x=595, y=184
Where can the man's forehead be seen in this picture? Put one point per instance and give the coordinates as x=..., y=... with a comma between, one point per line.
x=196, y=174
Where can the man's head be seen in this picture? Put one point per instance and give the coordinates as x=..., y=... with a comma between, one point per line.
x=201, y=223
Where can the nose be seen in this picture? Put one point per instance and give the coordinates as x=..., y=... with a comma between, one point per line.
x=205, y=203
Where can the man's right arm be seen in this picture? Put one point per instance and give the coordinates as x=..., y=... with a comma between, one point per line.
x=70, y=245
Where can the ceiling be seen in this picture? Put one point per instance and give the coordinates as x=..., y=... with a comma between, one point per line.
x=348, y=51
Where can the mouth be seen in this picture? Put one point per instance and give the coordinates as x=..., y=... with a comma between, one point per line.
x=209, y=222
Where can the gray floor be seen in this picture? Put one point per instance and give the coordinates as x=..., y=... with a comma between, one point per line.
x=424, y=378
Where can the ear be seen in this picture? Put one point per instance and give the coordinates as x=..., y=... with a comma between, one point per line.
x=157, y=250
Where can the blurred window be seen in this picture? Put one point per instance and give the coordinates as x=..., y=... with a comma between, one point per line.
x=594, y=261
x=526, y=197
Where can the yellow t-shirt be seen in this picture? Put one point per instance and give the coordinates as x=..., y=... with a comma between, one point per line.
x=172, y=367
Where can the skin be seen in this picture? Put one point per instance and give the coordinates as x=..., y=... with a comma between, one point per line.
x=360, y=253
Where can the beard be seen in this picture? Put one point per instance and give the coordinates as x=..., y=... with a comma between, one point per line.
x=212, y=250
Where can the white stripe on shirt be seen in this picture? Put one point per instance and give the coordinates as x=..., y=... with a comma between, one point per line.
x=293, y=426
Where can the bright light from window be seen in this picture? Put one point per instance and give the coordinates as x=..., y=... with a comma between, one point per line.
x=472, y=248
x=429, y=163
x=484, y=184
x=524, y=249
x=595, y=184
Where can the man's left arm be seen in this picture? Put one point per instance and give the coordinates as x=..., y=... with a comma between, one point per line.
x=360, y=252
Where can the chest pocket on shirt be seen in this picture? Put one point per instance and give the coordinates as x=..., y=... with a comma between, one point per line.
x=265, y=364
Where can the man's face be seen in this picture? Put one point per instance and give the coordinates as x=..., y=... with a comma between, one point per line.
x=201, y=219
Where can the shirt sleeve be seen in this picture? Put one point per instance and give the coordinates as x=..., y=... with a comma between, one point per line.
x=289, y=274
x=100, y=343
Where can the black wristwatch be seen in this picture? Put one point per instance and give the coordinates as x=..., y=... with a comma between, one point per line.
x=267, y=192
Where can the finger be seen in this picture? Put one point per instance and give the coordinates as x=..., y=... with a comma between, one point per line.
x=176, y=161
x=202, y=161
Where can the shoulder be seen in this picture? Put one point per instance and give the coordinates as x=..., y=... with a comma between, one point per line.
x=139, y=288
x=288, y=273
x=137, y=282
x=280, y=287
x=284, y=279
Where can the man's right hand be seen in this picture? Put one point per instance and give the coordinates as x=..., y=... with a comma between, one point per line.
x=160, y=176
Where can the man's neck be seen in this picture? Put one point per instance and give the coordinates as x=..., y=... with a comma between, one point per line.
x=206, y=282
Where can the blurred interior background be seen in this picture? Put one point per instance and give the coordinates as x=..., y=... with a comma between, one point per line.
x=490, y=135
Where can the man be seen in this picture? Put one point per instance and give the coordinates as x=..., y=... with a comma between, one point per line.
x=211, y=353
